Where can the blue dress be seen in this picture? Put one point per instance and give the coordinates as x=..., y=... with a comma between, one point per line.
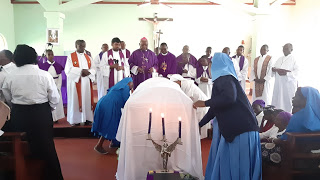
x=235, y=152
x=108, y=110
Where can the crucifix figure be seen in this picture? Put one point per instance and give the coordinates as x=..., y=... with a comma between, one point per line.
x=155, y=22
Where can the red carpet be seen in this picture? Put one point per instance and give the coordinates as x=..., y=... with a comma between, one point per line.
x=80, y=162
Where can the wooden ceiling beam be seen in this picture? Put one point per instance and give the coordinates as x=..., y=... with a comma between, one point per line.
x=293, y=2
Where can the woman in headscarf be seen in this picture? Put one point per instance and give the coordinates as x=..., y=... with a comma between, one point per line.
x=108, y=113
x=280, y=124
x=306, y=111
x=236, y=153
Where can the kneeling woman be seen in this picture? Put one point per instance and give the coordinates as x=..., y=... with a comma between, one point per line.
x=34, y=95
x=237, y=153
x=108, y=113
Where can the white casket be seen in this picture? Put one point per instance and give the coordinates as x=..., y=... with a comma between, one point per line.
x=137, y=155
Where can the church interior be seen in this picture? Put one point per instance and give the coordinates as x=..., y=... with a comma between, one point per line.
x=198, y=24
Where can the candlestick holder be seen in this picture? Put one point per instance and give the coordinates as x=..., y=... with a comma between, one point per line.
x=165, y=150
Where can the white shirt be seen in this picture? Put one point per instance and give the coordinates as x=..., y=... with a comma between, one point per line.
x=271, y=133
x=260, y=118
x=6, y=69
x=30, y=85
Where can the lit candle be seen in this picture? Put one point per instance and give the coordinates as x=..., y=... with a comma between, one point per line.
x=163, y=127
x=150, y=115
x=179, y=118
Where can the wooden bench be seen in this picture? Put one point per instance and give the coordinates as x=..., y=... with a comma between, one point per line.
x=296, y=158
x=14, y=158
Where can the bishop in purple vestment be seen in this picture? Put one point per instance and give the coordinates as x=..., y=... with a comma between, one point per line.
x=185, y=58
x=142, y=63
x=166, y=61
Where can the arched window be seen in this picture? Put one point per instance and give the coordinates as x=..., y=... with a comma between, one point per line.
x=3, y=43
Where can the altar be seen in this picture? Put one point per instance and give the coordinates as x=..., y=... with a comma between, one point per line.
x=138, y=155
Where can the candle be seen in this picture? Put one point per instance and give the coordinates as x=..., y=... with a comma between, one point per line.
x=163, y=127
x=179, y=118
x=150, y=115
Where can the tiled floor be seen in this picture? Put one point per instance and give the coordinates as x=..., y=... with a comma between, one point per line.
x=80, y=162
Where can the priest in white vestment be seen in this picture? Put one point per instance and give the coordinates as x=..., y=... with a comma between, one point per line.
x=113, y=65
x=243, y=63
x=203, y=79
x=126, y=54
x=101, y=88
x=137, y=155
x=261, y=76
x=195, y=94
x=80, y=71
x=285, y=71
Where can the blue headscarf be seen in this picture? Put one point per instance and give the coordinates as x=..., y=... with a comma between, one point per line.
x=308, y=118
x=222, y=65
x=121, y=84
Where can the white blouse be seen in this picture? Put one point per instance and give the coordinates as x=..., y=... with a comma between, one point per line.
x=28, y=85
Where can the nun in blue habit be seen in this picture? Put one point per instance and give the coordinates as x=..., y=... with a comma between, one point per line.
x=306, y=112
x=235, y=152
x=108, y=113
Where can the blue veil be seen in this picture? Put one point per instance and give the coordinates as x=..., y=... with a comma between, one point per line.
x=222, y=65
x=121, y=84
x=308, y=118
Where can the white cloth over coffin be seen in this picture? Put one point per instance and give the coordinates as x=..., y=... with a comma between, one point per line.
x=137, y=155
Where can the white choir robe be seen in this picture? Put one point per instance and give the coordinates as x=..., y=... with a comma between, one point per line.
x=100, y=79
x=242, y=74
x=105, y=69
x=285, y=87
x=269, y=83
x=58, y=113
x=126, y=63
x=192, y=72
x=206, y=87
x=74, y=116
x=195, y=93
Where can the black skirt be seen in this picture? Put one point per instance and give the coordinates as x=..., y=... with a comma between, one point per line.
x=36, y=121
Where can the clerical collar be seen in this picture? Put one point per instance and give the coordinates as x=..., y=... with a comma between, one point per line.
x=115, y=50
x=80, y=53
x=50, y=62
x=205, y=67
x=165, y=54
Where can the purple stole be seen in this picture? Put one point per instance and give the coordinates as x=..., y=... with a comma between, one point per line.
x=100, y=55
x=45, y=66
x=200, y=71
x=127, y=53
x=111, y=62
x=241, y=63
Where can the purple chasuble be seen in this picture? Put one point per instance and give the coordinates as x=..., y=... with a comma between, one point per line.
x=45, y=66
x=241, y=63
x=111, y=62
x=193, y=61
x=167, y=64
x=144, y=59
x=200, y=71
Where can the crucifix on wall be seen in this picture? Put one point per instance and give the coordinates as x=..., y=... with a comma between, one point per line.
x=156, y=32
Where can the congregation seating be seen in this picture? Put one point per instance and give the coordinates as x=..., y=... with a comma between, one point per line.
x=298, y=162
x=15, y=163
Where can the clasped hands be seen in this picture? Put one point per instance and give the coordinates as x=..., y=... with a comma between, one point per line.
x=141, y=70
x=117, y=67
x=281, y=72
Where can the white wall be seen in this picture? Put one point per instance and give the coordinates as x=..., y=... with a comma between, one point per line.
x=197, y=26
x=7, y=25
